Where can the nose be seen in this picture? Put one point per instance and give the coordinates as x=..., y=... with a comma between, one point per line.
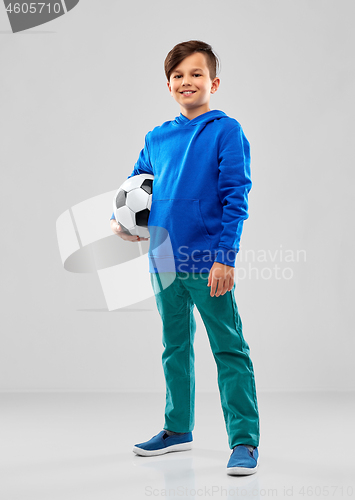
x=185, y=81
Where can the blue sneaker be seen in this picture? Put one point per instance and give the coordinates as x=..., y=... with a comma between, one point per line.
x=163, y=443
x=242, y=461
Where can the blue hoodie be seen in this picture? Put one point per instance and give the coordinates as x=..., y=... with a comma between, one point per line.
x=201, y=171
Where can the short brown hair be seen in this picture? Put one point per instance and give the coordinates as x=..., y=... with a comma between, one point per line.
x=185, y=49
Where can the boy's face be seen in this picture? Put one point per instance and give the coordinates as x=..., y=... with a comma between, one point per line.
x=191, y=86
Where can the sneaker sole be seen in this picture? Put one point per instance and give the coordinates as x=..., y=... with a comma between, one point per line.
x=241, y=471
x=162, y=451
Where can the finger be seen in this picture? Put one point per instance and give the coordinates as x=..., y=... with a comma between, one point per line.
x=212, y=289
x=222, y=288
x=214, y=286
x=226, y=286
x=231, y=283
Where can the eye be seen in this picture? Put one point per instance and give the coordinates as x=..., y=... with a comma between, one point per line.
x=177, y=76
x=197, y=74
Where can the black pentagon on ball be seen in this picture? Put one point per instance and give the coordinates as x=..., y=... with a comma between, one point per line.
x=147, y=185
x=121, y=199
x=142, y=218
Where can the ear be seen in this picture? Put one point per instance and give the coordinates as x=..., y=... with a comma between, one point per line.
x=169, y=86
x=215, y=85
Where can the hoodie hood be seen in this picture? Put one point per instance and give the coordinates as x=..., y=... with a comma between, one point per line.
x=209, y=116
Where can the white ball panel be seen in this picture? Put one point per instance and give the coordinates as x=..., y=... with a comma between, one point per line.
x=126, y=217
x=141, y=231
x=137, y=200
x=135, y=181
x=149, y=204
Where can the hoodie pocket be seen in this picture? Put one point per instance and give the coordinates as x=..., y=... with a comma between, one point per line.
x=182, y=219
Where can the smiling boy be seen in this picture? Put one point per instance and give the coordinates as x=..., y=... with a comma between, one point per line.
x=201, y=167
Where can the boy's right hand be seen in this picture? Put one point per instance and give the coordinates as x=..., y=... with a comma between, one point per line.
x=117, y=229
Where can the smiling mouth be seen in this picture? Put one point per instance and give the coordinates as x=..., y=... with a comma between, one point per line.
x=188, y=92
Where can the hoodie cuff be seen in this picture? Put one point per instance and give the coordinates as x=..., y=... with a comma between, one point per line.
x=226, y=256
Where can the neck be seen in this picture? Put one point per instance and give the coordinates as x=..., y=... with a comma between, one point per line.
x=192, y=113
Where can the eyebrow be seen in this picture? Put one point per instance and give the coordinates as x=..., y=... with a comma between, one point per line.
x=179, y=71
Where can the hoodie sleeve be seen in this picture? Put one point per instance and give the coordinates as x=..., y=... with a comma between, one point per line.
x=234, y=184
x=143, y=164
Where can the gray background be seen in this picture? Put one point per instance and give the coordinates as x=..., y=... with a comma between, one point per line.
x=78, y=96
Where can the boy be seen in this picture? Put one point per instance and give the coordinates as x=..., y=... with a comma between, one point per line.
x=201, y=167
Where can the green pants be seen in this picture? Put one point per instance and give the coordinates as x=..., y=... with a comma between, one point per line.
x=175, y=302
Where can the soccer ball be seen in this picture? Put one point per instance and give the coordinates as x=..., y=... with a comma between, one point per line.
x=131, y=204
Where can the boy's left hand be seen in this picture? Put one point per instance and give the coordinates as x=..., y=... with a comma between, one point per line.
x=222, y=276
